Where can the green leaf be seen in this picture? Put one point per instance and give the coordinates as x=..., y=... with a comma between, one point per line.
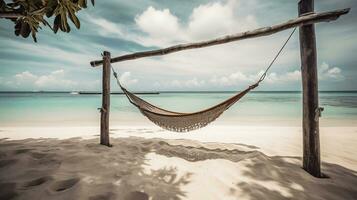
x=35, y=12
x=56, y=23
x=49, y=13
x=25, y=30
x=68, y=28
x=2, y=5
x=38, y=3
x=63, y=26
x=52, y=3
x=34, y=36
x=63, y=21
x=74, y=19
x=50, y=8
x=82, y=3
x=18, y=28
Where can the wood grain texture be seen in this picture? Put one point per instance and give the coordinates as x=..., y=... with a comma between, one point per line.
x=104, y=118
x=311, y=140
x=300, y=21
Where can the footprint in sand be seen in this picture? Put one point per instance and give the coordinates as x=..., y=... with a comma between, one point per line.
x=4, y=163
x=37, y=155
x=106, y=196
x=136, y=195
x=2, y=155
x=62, y=185
x=8, y=190
x=36, y=182
x=20, y=151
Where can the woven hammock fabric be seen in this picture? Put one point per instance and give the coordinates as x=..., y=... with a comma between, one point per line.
x=182, y=122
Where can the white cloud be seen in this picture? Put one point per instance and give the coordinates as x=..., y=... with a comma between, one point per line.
x=161, y=26
x=205, y=22
x=244, y=78
x=155, y=25
x=52, y=80
x=25, y=77
x=56, y=54
x=325, y=72
x=177, y=84
x=106, y=27
x=233, y=79
x=293, y=76
x=127, y=80
x=193, y=83
x=111, y=29
x=151, y=21
x=215, y=19
x=59, y=72
x=330, y=73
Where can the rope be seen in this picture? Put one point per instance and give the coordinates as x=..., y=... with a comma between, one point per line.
x=116, y=76
x=114, y=72
x=262, y=77
x=276, y=56
x=184, y=122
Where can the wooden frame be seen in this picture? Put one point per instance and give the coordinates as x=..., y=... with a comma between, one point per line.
x=311, y=110
x=105, y=109
x=265, y=31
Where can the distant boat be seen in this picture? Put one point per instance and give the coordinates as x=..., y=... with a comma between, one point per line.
x=74, y=93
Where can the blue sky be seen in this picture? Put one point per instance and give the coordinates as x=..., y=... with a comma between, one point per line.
x=61, y=61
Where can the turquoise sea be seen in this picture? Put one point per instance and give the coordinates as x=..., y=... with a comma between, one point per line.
x=256, y=108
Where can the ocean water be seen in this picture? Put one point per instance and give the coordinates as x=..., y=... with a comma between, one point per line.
x=256, y=108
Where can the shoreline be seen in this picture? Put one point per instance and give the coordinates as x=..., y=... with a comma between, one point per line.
x=139, y=120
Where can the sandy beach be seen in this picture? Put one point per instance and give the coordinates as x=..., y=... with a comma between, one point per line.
x=178, y=100
x=219, y=162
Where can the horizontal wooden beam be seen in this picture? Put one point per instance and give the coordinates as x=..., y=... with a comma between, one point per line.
x=300, y=21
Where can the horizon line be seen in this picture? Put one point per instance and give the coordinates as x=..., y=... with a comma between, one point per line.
x=163, y=91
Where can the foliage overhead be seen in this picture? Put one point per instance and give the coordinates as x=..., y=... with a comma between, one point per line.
x=28, y=15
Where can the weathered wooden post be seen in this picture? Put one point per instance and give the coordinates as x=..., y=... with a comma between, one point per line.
x=311, y=110
x=104, y=110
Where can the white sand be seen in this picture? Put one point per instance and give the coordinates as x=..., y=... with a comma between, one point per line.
x=218, y=162
x=338, y=144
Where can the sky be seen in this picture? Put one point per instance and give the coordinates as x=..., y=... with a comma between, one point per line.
x=60, y=62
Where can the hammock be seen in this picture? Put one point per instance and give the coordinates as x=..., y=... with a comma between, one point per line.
x=184, y=122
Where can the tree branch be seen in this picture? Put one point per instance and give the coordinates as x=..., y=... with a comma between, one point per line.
x=300, y=21
x=10, y=15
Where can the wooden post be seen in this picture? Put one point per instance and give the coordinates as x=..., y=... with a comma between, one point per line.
x=311, y=110
x=104, y=118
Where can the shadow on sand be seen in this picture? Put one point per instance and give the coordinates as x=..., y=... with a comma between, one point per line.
x=281, y=177
x=82, y=169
